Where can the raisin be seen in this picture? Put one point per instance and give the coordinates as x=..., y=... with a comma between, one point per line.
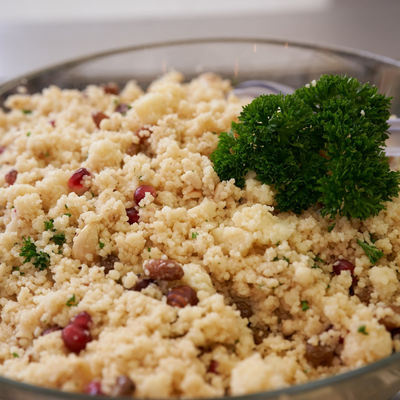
x=124, y=387
x=142, y=284
x=111, y=88
x=365, y=295
x=164, y=270
x=133, y=149
x=213, y=367
x=244, y=308
x=181, y=296
x=259, y=335
x=98, y=116
x=319, y=355
x=122, y=108
x=108, y=263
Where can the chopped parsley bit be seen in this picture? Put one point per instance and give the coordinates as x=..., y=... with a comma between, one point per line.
x=328, y=286
x=68, y=214
x=287, y=260
x=140, y=177
x=149, y=249
x=371, y=238
x=276, y=258
x=101, y=244
x=59, y=239
x=12, y=207
x=27, y=111
x=72, y=302
x=28, y=134
x=330, y=228
x=214, y=133
x=237, y=341
x=47, y=154
x=304, y=305
x=319, y=260
x=373, y=253
x=49, y=225
x=66, y=207
x=278, y=243
x=116, y=101
x=362, y=329
x=315, y=266
x=15, y=355
x=28, y=250
x=194, y=235
x=92, y=193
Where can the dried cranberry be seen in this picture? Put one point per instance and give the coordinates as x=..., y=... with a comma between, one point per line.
x=343, y=265
x=111, y=88
x=75, y=182
x=124, y=387
x=75, y=338
x=50, y=330
x=142, y=284
x=122, y=108
x=213, y=367
x=319, y=355
x=181, y=296
x=141, y=191
x=94, y=389
x=11, y=176
x=108, y=263
x=244, y=308
x=98, y=116
x=83, y=320
x=165, y=270
x=133, y=215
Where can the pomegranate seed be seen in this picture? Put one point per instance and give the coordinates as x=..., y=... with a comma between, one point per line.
x=50, y=330
x=83, y=320
x=133, y=215
x=75, y=182
x=122, y=108
x=98, y=116
x=11, y=176
x=75, y=338
x=141, y=191
x=343, y=265
x=52, y=123
x=94, y=389
x=111, y=88
x=2, y=148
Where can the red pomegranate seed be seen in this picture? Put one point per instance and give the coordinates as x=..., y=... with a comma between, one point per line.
x=141, y=191
x=133, y=215
x=75, y=338
x=94, y=389
x=75, y=182
x=111, y=88
x=83, y=320
x=98, y=116
x=343, y=265
x=52, y=123
x=11, y=176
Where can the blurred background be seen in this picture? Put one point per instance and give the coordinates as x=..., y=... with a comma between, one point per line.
x=38, y=33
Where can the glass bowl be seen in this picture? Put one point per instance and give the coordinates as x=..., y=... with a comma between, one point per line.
x=287, y=63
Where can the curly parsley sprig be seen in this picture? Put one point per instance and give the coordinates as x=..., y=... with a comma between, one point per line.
x=322, y=144
x=39, y=259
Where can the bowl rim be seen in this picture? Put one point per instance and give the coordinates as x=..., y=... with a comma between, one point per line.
x=338, y=50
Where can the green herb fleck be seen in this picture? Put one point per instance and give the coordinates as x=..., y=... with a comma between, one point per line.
x=12, y=207
x=362, y=329
x=330, y=228
x=328, y=286
x=140, y=177
x=315, y=146
x=304, y=305
x=194, y=235
x=287, y=260
x=66, y=207
x=49, y=225
x=72, y=302
x=92, y=194
x=28, y=134
x=28, y=250
x=319, y=259
x=15, y=355
x=47, y=154
x=149, y=249
x=27, y=111
x=278, y=243
x=372, y=238
x=373, y=253
x=68, y=214
x=101, y=244
x=59, y=239
x=116, y=101
x=276, y=258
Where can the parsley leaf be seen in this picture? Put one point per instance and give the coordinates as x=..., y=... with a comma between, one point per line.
x=15, y=355
x=101, y=244
x=373, y=253
x=49, y=225
x=68, y=214
x=28, y=249
x=362, y=329
x=72, y=302
x=194, y=235
x=59, y=239
x=304, y=305
x=42, y=260
x=315, y=146
x=330, y=228
x=27, y=111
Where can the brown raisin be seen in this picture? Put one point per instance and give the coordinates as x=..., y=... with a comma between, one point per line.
x=164, y=270
x=213, y=367
x=124, y=387
x=365, y=295
x=122, y=108
x=244, y=308
x=133, y=149
x=181, y=296
x=108, y=263
x=111, y=88
x=259, y=335
x=319, y=355
x=142, y=284
x=98, y=116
